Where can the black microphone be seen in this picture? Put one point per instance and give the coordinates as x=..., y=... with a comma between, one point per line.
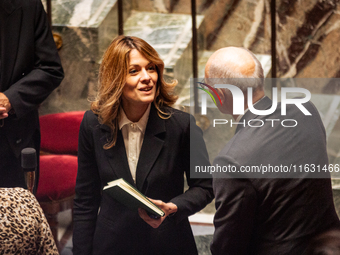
x=29, y=165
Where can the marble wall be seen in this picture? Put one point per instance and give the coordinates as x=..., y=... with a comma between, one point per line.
x=307, y=35
x=86, y=27
x=307, y=31
x=170, y=35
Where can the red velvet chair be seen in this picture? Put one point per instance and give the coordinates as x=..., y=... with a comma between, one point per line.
x=58, y=164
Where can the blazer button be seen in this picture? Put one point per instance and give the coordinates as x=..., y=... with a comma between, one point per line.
x=18, y=141
x=23, y=74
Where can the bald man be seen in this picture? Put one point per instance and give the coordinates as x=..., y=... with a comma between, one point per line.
x=278, y=213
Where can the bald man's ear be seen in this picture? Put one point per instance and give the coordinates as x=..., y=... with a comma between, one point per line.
x=221, y=94
x=226, y=100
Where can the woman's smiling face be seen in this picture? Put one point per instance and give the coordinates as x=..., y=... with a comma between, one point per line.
x=140, y=87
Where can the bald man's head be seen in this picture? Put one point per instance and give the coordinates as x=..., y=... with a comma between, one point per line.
x=235, y=63
x=238, y=67
x=238, y=61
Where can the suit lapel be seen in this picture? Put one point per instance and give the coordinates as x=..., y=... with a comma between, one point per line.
x=152, y=145
x=11, y=27
x=117, y=155
x=264, y=104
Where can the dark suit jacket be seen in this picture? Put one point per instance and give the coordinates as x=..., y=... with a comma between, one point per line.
x=274, y=215
x=164, y=159
x=30, y=68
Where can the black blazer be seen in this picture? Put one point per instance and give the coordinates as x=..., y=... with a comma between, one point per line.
x=277, y=215
x=30, y=68
x=164, y=159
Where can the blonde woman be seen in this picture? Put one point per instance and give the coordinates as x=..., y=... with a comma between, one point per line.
x=133, y=133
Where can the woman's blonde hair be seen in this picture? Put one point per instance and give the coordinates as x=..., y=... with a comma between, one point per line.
x=112, y=78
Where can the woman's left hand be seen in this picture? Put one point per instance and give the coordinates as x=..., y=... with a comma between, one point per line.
x=167, y=208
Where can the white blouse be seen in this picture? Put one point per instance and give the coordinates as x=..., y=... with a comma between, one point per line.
x=133, y=135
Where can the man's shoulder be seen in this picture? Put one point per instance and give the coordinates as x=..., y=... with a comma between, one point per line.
x=236, y=148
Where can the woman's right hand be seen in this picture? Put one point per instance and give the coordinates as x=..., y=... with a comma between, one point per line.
x=167, y=208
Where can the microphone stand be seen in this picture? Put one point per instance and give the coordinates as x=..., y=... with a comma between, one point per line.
x=30, y=179
x=29, y=165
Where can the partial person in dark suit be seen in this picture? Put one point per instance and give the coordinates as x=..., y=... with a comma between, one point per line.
x=30, y=70
x=278, y=213
x=133, y=133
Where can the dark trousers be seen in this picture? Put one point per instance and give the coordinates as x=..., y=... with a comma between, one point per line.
x=11, y=173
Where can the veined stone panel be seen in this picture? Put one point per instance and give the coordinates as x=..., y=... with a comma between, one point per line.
x=290, y=16
x=307, y=39
x=168, y=6
x=86, y=27
x=100, y=15
x=307, y=36
x=327, y=54
x=80, y=13
x=242, y=25
x=170, y=35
